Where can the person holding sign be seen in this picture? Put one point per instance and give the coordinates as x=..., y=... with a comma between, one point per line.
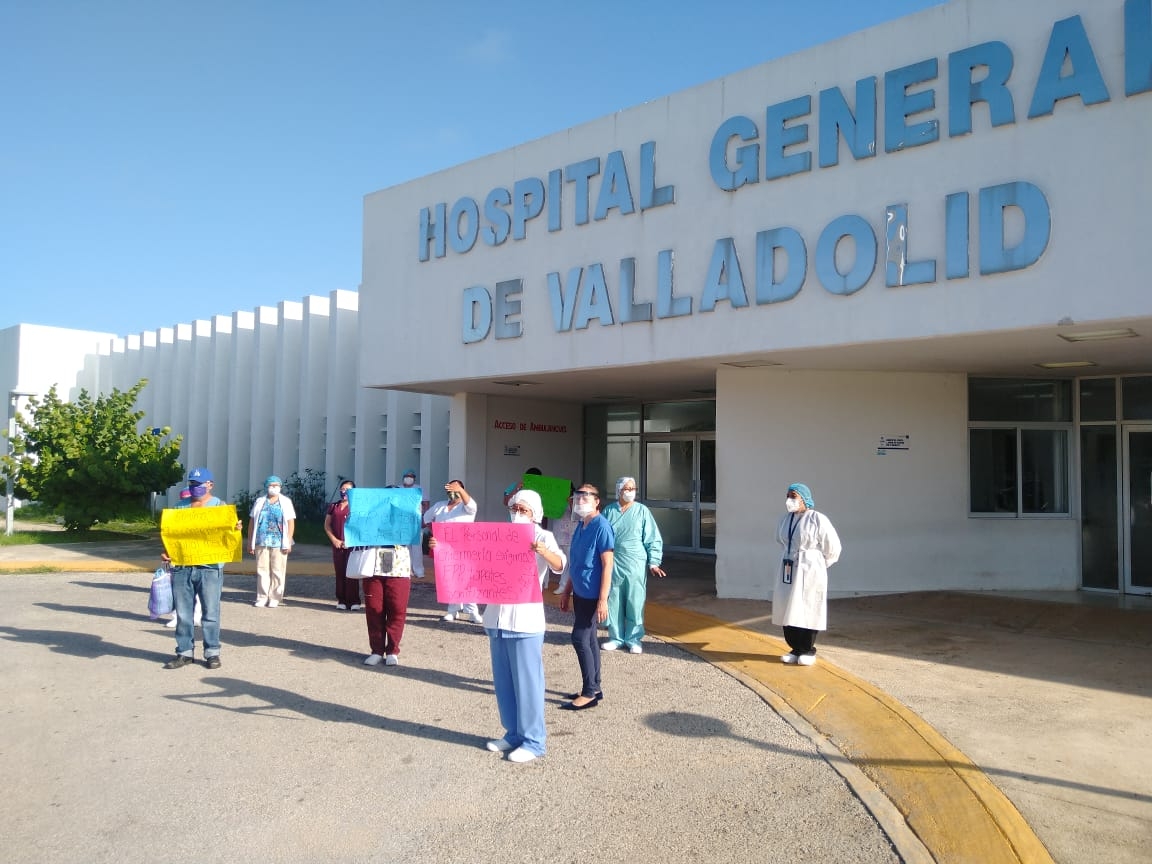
x=516, y=641
x=639, y=551
x=459, y=506
x=387, y=575
x=590, y=565
x=197, y=581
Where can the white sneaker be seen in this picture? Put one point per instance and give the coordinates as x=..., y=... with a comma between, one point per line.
x=478, y=619
x=391, y=660
x=449, y=617
x=500, y=745
x=170, y=623
x=355, y=607
x=635, y=649
x=521, y=755
x=272, y=604
x=260, y=603
x=789, y=658
x=372, y=660
x=806, y=659
x=341, y=606
x=610, y=645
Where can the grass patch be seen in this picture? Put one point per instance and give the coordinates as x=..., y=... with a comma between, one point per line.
x=115, y=534
x=26, y=571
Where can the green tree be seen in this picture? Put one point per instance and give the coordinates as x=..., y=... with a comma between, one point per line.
x=88, y=459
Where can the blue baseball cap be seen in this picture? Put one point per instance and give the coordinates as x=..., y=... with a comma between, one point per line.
x=199, y=475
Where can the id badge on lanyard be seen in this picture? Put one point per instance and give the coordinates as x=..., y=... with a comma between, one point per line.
x=787, y=564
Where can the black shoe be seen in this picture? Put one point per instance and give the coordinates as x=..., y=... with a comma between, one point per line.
x=572, y=706
x=179, y=662
x=212, y=662
x=599, y=695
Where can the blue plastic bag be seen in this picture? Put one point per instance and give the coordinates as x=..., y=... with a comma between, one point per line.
x=160, y=597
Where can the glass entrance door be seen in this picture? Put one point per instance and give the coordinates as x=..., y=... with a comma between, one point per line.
x=679, y=486
x=1138, y=509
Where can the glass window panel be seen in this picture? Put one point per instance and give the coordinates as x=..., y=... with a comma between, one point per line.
x=1019, y=400
x=992, y=458
x=612, y=419
x=1097, y=399
x=623, y=461
x=1136, y=396
x=1098, y=528
x=1140, y=499
x=680, y=416
x=675, y=525
x=708, y=472
x=707, y=529
x=605, y=459
x=1043, y=470
x=668, y=472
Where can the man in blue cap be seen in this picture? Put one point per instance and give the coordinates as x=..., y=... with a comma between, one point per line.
x=270, y=537
x=203, y=581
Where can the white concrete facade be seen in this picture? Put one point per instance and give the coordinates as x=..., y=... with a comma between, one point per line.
x=610, y=263
x=274, y=390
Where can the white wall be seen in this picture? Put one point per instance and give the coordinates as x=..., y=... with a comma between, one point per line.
x=902, y=517
x=547, y=435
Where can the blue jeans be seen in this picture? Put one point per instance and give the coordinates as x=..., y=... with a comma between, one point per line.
x=188, y=583
x=584, y=641
x=518, y=673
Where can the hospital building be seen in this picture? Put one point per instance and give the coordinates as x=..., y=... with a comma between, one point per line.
x=907, y=268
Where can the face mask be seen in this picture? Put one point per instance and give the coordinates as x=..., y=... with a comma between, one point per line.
x=520, y=518
x=453, y=497
x=409, y=481
x=792, y=504
x=273, y=491
x=343, y=494
x=628, y=497
x=583, y=508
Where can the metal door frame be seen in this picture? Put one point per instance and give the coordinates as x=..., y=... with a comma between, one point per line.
x=695, y=505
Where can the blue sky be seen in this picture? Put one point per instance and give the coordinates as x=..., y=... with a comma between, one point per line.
x=162, y=162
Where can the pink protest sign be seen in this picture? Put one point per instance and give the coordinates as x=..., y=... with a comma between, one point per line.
x=485, y=562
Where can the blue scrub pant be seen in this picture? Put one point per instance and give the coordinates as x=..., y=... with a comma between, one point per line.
x=518, y=673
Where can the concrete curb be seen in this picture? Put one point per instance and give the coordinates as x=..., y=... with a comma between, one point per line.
x=953, y=810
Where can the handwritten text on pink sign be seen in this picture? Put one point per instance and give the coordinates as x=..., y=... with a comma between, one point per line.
x=485, y=562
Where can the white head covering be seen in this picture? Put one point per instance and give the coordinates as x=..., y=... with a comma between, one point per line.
x=531, y=500
x=620, y=484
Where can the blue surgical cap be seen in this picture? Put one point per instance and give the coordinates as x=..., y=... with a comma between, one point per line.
x=805, y=493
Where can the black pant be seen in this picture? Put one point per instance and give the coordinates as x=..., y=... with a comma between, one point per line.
x=800, y=640
x=586, y=645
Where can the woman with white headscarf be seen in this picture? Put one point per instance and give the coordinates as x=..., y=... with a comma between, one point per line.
x=639, y=551
x=516, y=640
x=800, y=596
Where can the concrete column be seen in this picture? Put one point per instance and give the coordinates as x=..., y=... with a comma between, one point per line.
x=284, y=398
x=315, y=360
x=341, y=388
x=240, y=376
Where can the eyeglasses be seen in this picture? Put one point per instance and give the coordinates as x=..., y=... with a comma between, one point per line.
x=582, y=493
x=523, y=511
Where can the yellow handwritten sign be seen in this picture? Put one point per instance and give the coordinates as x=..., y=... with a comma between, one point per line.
x=201, y=535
